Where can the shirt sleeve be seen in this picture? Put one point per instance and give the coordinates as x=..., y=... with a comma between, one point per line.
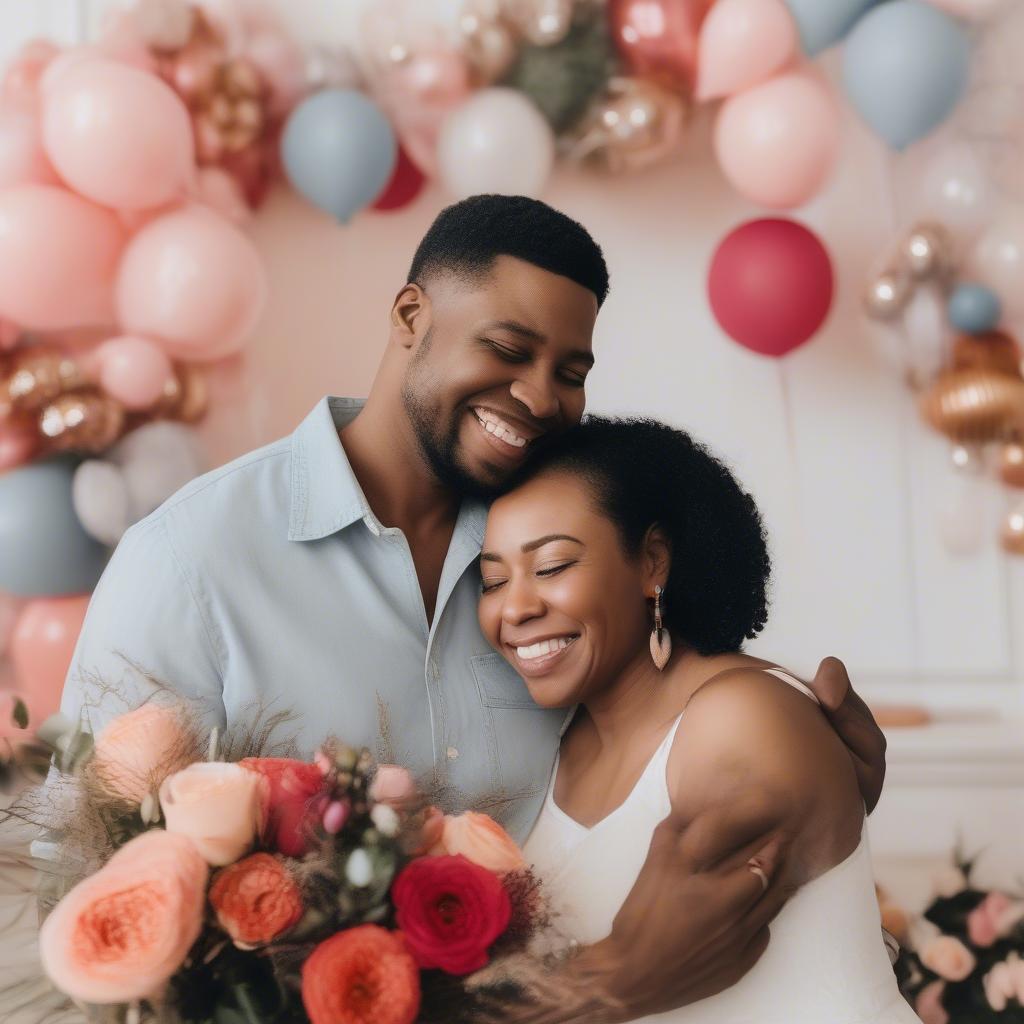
x=148, y=627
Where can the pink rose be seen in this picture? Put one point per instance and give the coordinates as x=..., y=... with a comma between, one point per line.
x=217, y=805
x=949, y=958
x=121, y=933
x=928, y=1005
x=1005, y=982
x=138, y=750
x=392, y=785
x=482, y=840
x=983, y=921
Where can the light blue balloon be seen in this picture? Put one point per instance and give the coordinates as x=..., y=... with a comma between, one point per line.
x=44, y=552
x=974, y=309
x=339, y=151
x=905, y=66
x=822, y=23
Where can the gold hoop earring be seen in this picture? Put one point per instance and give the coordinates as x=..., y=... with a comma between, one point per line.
x=661, y=642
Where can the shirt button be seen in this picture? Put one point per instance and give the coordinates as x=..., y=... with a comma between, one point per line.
x=452, y=753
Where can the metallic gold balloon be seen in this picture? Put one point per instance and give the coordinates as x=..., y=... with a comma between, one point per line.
x=1013, y=532
x=38, y=376
x=993, y=350
x=1011, y=465
x=542, y=22
x=888, y=294
x=637, y=124
x=928, y=251
x=975, y=406
x=82, y=422
x=489, y=44
x=186, y=395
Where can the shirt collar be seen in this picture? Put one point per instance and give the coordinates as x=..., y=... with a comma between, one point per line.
x=325, y=494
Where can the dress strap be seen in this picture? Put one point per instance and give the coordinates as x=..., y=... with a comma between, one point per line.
x=781, y=673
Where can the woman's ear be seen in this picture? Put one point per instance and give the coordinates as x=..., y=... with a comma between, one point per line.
x=410, y=316
x=657, y=557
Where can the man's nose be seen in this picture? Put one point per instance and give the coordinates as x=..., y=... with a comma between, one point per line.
x=538, y=397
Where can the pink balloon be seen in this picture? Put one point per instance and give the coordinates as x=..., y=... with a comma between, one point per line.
x=118, y=135
x=218, y=190
x=771, y=285
x=133, y=370
x=778, y=142
x=743, y=42
x=193, y=281
x=969, y=10
x=18, y=443
x=22, y=157
x=23, y=75
x=42, y=646
x=58, y=257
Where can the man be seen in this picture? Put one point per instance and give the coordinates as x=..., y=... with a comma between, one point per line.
x=334, y=575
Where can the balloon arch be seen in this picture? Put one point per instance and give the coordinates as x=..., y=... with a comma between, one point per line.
x=129, y=168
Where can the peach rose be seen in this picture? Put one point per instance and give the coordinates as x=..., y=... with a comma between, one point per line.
x=928, y=1005
x=949, y=958
x=481, y=840
x=217, y=805
x=895, y=922
x=983, y=921
x=137, y=751
x=392, y=785
x=121, y=933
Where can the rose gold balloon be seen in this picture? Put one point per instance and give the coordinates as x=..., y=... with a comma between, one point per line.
x=488, y=43
x=888, y=294
x=927, y=251
x=82, y=422
x=975, y=406
x=1011, y=465
x=37, y=377
x=542, y=22
x=993, y=350
x=658, y=38
x=186, y=396
x=1013, y=532
x=637, y=124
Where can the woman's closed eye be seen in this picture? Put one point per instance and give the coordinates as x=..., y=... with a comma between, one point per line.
x=489, y=584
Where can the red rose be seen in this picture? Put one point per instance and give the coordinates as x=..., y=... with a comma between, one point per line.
x=361, y=976
x=289, y=810
x=255, y=899
x=450, y=911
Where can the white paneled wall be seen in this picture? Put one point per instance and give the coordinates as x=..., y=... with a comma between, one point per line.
x=851, y=483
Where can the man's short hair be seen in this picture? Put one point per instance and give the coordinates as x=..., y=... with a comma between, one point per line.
x=467, y=237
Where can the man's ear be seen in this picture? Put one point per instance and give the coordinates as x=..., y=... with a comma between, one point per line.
x=410, y=316
x=657, y=556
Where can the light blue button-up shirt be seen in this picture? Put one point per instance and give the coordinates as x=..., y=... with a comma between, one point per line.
x=271, y=581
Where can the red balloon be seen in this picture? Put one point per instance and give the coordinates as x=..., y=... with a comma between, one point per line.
x=406, y=183
x=658, y=38
x=771, y=285
x=42, y=646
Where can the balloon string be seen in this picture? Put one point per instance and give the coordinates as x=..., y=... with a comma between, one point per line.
x=789, y=425
x=888, y=160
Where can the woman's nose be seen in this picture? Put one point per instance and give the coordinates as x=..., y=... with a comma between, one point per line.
x=521, y=603
x=540, y=399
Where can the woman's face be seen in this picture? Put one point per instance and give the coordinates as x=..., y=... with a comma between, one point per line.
x=561, y=600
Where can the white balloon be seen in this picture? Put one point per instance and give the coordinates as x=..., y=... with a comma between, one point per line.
x=998, y=260
x=927, y=334
x=956, y=190
x=157, y=460
x=100, y=498
x=497, y=141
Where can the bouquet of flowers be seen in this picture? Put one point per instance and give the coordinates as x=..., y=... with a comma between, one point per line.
x=239, y=889
x=961, y=961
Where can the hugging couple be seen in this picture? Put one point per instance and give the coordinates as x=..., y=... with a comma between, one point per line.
x=466, y=575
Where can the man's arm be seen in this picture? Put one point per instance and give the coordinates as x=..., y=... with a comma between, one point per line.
x=146, y=629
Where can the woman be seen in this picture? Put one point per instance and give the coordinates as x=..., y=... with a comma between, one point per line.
x=622, y=575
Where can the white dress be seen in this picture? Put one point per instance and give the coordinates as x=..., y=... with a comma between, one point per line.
x=826, y=962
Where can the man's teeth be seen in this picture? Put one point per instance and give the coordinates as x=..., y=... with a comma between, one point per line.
x=539, y=650
x=499, y=428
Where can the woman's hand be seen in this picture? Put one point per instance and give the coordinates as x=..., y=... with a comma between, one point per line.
x=856, y=727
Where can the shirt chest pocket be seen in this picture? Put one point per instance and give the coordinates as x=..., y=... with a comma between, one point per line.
x=499, y=685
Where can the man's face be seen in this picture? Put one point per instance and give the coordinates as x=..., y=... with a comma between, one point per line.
x=500, y=371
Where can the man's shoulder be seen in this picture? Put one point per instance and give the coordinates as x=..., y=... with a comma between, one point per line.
x=250, y=491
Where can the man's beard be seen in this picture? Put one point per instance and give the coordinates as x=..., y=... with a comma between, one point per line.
x=438, y=443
